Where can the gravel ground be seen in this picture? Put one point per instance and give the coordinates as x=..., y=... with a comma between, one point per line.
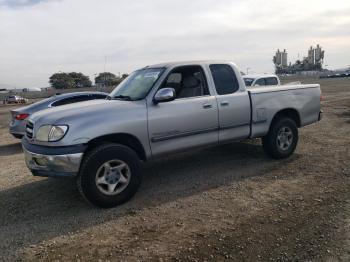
x=224, y=203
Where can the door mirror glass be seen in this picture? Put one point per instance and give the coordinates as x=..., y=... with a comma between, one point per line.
x=165, y=95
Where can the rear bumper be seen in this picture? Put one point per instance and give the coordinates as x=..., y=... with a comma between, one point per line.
x=17, y=128
x=46, y=162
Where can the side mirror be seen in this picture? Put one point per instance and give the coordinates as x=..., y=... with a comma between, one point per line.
x=256, y=85
x=164, y=95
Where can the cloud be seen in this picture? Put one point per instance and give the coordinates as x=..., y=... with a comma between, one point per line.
x=20, y=3
x=43, y=37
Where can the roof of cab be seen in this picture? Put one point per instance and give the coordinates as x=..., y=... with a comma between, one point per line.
x=193, y=62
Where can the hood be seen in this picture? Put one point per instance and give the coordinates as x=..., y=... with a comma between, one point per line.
x=92, y=119
x=88, y=109
x=89, y=119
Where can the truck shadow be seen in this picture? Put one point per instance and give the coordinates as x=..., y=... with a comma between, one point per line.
x=48, y=208
x=10, y=149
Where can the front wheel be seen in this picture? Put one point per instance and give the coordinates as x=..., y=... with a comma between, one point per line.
x=109, y=175
x=282, y=138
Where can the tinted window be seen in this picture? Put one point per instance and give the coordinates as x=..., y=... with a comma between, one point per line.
x=71, y=100
x=271, y=81
x=224, y=78
x=248, y=81
x=98, y=96
x=188, y=81
x=260, y=82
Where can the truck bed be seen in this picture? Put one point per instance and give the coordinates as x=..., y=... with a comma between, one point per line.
x=268, y=100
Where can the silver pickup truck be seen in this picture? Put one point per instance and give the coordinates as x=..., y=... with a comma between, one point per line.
x=158, y=110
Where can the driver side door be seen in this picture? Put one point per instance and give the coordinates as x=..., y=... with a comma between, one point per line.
x=189, y=121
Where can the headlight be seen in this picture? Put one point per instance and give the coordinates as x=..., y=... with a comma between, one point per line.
x=51, y=133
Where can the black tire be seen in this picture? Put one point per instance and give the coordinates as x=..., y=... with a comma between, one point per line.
x=94, y=160
x=272, y=145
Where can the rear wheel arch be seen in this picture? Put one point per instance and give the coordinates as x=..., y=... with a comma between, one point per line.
x=290, y=113
x=120, y=138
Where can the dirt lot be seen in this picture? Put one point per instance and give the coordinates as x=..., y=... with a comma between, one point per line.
x=225, y=203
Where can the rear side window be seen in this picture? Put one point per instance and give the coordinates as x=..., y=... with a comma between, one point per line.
x=271, y=81
x=72, y=100
x=225, y=79
x=260, y=82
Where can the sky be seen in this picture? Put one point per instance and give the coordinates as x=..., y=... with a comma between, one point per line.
x=42, y=37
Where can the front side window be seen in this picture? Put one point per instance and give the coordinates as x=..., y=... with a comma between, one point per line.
x=137, y=85
x=225, y=79
x=188, y=81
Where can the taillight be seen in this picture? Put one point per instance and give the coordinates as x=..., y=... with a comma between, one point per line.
x=21, y=116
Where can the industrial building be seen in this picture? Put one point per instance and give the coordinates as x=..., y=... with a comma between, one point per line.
x=312, y=63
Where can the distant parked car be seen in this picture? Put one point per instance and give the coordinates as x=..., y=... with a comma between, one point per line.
x=18, y=123
x=261, y=80
x=15, y=100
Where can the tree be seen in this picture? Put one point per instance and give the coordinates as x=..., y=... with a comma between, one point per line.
x=61, y=81
x=69, y=80
x=107, y=79
x=80, y=80
x=124, y=76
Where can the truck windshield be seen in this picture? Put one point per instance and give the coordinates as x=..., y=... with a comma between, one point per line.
x=248, y=81
x=137, y=85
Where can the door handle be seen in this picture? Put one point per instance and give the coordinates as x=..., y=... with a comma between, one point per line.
x=207, y=105
x=224, y=103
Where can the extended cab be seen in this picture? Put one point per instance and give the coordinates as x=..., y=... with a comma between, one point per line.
x=158, y=110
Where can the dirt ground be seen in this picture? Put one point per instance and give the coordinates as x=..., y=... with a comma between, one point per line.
x=228, y=203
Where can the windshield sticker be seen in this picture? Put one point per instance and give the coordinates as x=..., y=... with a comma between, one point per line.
x=152, y=74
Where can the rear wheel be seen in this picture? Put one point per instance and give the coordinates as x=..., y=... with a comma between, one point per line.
x=282, y=138
x=110, y=175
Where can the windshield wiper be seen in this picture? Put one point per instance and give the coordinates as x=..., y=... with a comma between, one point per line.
x=121, y=97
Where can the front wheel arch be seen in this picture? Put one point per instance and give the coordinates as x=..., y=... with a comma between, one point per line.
x=125, y=139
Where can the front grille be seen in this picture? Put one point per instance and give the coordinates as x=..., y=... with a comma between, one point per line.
x=29, y=129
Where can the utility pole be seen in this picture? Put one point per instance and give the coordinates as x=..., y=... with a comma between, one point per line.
x=104, y=71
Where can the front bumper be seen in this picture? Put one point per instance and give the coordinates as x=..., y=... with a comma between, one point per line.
x=51, y=165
